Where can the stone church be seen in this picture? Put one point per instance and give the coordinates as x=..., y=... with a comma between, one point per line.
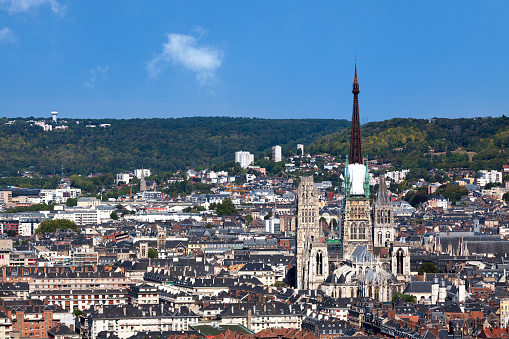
x=373, y=264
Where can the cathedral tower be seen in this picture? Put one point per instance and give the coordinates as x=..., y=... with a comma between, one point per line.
x=358, y=229
x=383, y=217
x=312, y=257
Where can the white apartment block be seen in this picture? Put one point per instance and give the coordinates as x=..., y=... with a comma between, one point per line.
x=397, y=176
x=59, y=195
x=139, y=172
x=301, y=148
x=273, y=226
x=485, y=177
x=87, y=217
x=126, y=321
x=124, y=177
x=28, y=225
x=244, y=158
x=276, y=153
x=81, y=299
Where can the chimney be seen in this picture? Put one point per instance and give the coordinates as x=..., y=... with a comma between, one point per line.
x=249, y=315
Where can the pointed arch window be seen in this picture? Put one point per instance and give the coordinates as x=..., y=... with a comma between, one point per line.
x=319, y=263
x=399, y=260
x=362, y=231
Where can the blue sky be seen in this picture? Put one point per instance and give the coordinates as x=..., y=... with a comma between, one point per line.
x=269, y=59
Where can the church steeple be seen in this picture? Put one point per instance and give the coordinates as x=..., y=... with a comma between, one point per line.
x=355, y=139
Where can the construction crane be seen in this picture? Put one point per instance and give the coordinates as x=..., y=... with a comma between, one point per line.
x=231, y=190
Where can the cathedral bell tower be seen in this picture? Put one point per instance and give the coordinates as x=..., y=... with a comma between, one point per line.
x=383, y=217
x=358, y=228
x=312, y=256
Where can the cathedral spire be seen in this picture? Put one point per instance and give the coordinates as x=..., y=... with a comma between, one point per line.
x=355, y=140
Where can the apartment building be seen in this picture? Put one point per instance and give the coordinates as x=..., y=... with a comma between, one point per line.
x=82, y=299
x=126, y=321
x=33, y=318
x=59, y=195
x=65, y=277
x=269, y=315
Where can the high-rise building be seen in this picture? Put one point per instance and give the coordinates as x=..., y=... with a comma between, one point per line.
x=312, y=255
x=276, y=153
x=300, y=149
x=54, y=116
x=244, y=158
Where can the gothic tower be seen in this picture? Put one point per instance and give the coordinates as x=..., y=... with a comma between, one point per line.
x=312, y=257
x=143, y=182
x=383, y=217
x=357, y=229
x=161, y=239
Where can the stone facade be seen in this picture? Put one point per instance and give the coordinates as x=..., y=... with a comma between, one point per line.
x=312, y=256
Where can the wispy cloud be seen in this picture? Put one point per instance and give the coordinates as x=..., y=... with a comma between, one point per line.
x=184, y=50
x=6, y=35
x=23, y=6
x=96, y=75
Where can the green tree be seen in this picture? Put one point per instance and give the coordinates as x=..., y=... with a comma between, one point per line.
x=70, y=202
x=249, y=218
x=280, y=284
x=452, y=192
x=52, y=225
x=506, y=196
x=406, y=297
x=31, y=208
x=114, y=215
x=152, y=253
x=428, y=267
x=77, y=312
x=226, y=207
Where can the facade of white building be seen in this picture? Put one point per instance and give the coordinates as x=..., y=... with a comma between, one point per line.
x=59, y=195
x=276, y=153
x=139, y=172
x=397, y=176
x=485, y=177
x=87, y=217
x=244, y=158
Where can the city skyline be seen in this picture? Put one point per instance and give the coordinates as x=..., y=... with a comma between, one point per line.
x=169, y=60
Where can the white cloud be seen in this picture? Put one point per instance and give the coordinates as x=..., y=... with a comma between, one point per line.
x=23, y=6
x=6, y=35
x=185, y=51
x=97, y=75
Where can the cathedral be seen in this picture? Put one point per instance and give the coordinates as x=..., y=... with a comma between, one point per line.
x=373, y=264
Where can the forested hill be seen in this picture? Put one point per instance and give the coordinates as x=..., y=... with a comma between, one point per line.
x=478, y=143
x=159, y=144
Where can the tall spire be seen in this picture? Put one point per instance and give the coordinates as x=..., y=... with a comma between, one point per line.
x=355, y=140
